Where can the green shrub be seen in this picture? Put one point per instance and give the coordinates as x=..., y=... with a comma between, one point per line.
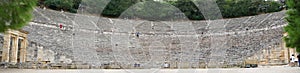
x=272, y=6
x=116, y=7
x=59, y=4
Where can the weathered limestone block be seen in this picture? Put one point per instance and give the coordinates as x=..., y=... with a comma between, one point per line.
x=1, y=46
x=1, y=41
x=184, y=65
x=40, y=52
x=105, y=24
x=48, y=55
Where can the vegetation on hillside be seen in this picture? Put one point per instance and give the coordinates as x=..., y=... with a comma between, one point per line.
x=116, y=7
x=66, y=5
x=15, y=14
x=231, y=9
x=228, y=8
x=293, y=28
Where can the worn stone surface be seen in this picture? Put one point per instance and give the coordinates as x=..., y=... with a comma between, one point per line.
x=99, y=40
x=1, y=41
x=229, y=70
x=1, y=45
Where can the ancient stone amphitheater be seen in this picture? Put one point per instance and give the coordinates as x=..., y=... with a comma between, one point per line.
x=99, y=41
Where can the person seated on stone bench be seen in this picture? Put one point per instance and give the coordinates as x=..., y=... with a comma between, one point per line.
x=166, y=65
x=137, y=65
x=137, y=34
x=39, y=65
x=4, y=65
x=292, y=60
x=20, y=65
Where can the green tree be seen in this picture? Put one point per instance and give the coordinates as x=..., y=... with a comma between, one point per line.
x=116, y=7
x=15, y=14
x=293, y=27
x=60, y=4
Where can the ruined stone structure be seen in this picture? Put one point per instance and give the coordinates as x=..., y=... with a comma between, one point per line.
x=98, y=42
x=14, y=46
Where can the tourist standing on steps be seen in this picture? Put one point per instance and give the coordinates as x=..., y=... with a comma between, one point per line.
x=298, y=57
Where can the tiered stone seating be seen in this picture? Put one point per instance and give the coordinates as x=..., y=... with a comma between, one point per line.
x=98, y=40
